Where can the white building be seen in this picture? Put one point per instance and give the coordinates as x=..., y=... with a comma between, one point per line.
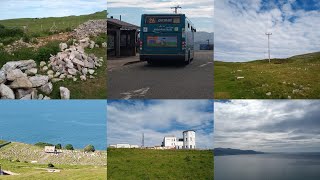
x=169, y=142
x=187, y=142
x=189, y=139
x=123, y=146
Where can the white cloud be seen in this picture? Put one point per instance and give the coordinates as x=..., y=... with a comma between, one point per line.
x=194, y=8
x=240, y=29
x=127, y=121
x=47, y=8
x=267, y=125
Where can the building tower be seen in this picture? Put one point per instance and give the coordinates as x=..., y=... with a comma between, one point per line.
x=189, y=139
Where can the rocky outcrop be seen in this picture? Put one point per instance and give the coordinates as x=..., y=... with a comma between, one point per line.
x=91, y=28
x=73, y=62
x=19, y=80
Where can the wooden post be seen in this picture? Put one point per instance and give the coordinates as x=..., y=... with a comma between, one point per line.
x=117, y=43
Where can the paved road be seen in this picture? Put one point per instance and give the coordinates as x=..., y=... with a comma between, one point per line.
x=163, y=81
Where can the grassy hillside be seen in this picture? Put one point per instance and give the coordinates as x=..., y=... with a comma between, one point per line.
x=17, y=157
x=159, y=164
x=296, y=77
x=62, y=23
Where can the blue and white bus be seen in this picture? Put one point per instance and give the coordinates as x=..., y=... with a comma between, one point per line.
x=166, y=37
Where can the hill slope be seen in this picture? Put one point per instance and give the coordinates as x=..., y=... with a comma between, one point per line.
x=39, y=25
x=229, y=151
x=159, y=164
x=295, y=77
x=17, y=157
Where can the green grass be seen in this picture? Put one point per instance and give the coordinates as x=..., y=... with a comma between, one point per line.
x=159, y=164
x=42, y=26
x=280, y=77
x=38, y=171
x=17, y=157
x=2, y=141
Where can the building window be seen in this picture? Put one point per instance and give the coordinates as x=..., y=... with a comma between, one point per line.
x=190, y=146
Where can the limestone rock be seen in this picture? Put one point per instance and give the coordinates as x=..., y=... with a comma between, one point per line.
x=2, y=77
x=22, y=82
x=50, y=72
x=42, y=63
x=45, y=68
x=46, y=98
x=39, y=80
x=47, y=88
x=91, y=71
x=14, y=74
x=64, y=93
x=20, y=93
x=83, y=78
x=63, y=46
x=22, y=65
x=72, y=71
x=84, y=71
x=32, y=71
x=40, y=96
x=6, y=92
x=54, y=80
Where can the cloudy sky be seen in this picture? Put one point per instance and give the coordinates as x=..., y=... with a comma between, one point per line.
x=240, y=27
x=77, y=122
x=127, y=120
x=11, y=9
x=200, y=12
x=268, y=125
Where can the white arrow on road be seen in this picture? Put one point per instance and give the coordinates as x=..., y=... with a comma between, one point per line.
x=206, y=64
x=135, y=93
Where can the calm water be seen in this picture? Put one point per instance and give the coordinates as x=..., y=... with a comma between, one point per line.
x=268, y=167
x=76, y=122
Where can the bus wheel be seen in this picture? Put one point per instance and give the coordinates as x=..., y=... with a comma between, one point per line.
x=189, y=60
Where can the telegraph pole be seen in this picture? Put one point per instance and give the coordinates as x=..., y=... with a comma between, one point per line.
x=269, y=34
x=176, y=9
x=142, y=143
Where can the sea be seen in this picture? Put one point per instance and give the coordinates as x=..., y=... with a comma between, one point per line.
x=275, y=166
x=76, y=131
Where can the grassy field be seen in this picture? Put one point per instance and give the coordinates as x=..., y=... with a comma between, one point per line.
x=17, y=158
x=159, y=164
x=296, y=77
x=43, y=25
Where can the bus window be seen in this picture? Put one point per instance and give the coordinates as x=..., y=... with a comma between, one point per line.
x=188, y=25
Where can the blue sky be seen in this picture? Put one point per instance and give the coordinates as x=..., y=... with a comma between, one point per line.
x=268, y=125
x=11, y=9
x=200, y=12
x=75, y=122
x=240, y=27
x=127, y=120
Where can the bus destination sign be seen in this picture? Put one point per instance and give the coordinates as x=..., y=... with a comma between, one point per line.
x=162, y=20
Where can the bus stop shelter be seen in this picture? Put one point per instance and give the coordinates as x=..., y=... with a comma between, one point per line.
x=122, y=38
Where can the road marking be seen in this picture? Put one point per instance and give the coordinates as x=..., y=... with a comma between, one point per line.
x=135, y=93
x=205, y=64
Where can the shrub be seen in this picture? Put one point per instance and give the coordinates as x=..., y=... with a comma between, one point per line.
x=8, y=40
x=58, y=146
x=101, y=39
x=17, y=160
x=26, y=38
x=68, y=29
x=50, y=165
x=69, y=147
x=89, y=148
x=43, y=144
x=44, y=52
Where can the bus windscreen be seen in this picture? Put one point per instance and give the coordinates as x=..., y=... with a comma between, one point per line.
x=162, y=41
x=162, y=20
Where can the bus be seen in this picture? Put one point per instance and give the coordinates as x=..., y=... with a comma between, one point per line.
x=166, y=37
